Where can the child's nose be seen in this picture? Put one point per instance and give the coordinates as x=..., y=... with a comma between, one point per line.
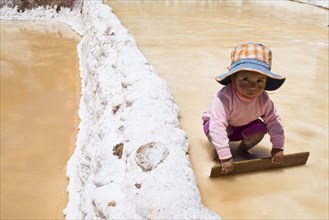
x=252, y=86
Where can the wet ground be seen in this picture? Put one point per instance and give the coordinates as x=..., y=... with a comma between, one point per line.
x=189, y=43
x=40, y=91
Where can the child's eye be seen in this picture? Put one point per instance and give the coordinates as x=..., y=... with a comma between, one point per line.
x=245, y=79
x=260, y=81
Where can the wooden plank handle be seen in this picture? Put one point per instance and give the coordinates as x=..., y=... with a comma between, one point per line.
x=262, y=164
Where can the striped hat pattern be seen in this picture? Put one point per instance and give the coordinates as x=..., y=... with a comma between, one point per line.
x=253, y=57
x=252, y=51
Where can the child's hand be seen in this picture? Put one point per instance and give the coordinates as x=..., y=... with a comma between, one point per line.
x=277, y=156
x=227, y=165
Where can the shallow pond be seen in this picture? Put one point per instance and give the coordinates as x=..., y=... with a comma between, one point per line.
x=40, y=92
x=189, y=43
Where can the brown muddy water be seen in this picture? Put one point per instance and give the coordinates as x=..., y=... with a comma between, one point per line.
x=40, y=91
x=189, y=43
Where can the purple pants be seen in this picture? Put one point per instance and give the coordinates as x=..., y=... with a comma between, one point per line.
x=241, y=132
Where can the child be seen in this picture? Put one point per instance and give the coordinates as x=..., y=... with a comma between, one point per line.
x=242, y=110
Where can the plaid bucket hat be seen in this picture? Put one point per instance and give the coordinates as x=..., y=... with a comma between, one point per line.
x=252, y=57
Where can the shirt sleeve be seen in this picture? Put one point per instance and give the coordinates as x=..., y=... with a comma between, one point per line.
x=217, y=127
x=273, y=124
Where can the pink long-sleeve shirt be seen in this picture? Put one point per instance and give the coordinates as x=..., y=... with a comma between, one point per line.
x=229, y=108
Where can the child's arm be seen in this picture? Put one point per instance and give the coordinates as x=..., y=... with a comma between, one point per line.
x=217, y=127
x=217, y=131
x=275, y=130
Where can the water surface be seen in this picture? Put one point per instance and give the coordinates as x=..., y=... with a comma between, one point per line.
x=189, y=43
x=40, y=90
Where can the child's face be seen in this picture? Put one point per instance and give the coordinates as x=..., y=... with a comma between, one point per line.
x=249, y=84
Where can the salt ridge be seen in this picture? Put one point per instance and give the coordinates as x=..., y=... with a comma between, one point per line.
x=123, y=101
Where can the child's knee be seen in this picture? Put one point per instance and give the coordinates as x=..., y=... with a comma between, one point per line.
x=253, y=140
x=254, y=133
x=256, y=129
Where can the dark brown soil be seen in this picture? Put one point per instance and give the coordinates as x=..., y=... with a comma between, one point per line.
x=23, y=5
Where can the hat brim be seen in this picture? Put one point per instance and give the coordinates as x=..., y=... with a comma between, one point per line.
x=273, y=82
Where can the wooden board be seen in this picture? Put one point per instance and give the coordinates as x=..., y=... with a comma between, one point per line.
x=262, y=164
